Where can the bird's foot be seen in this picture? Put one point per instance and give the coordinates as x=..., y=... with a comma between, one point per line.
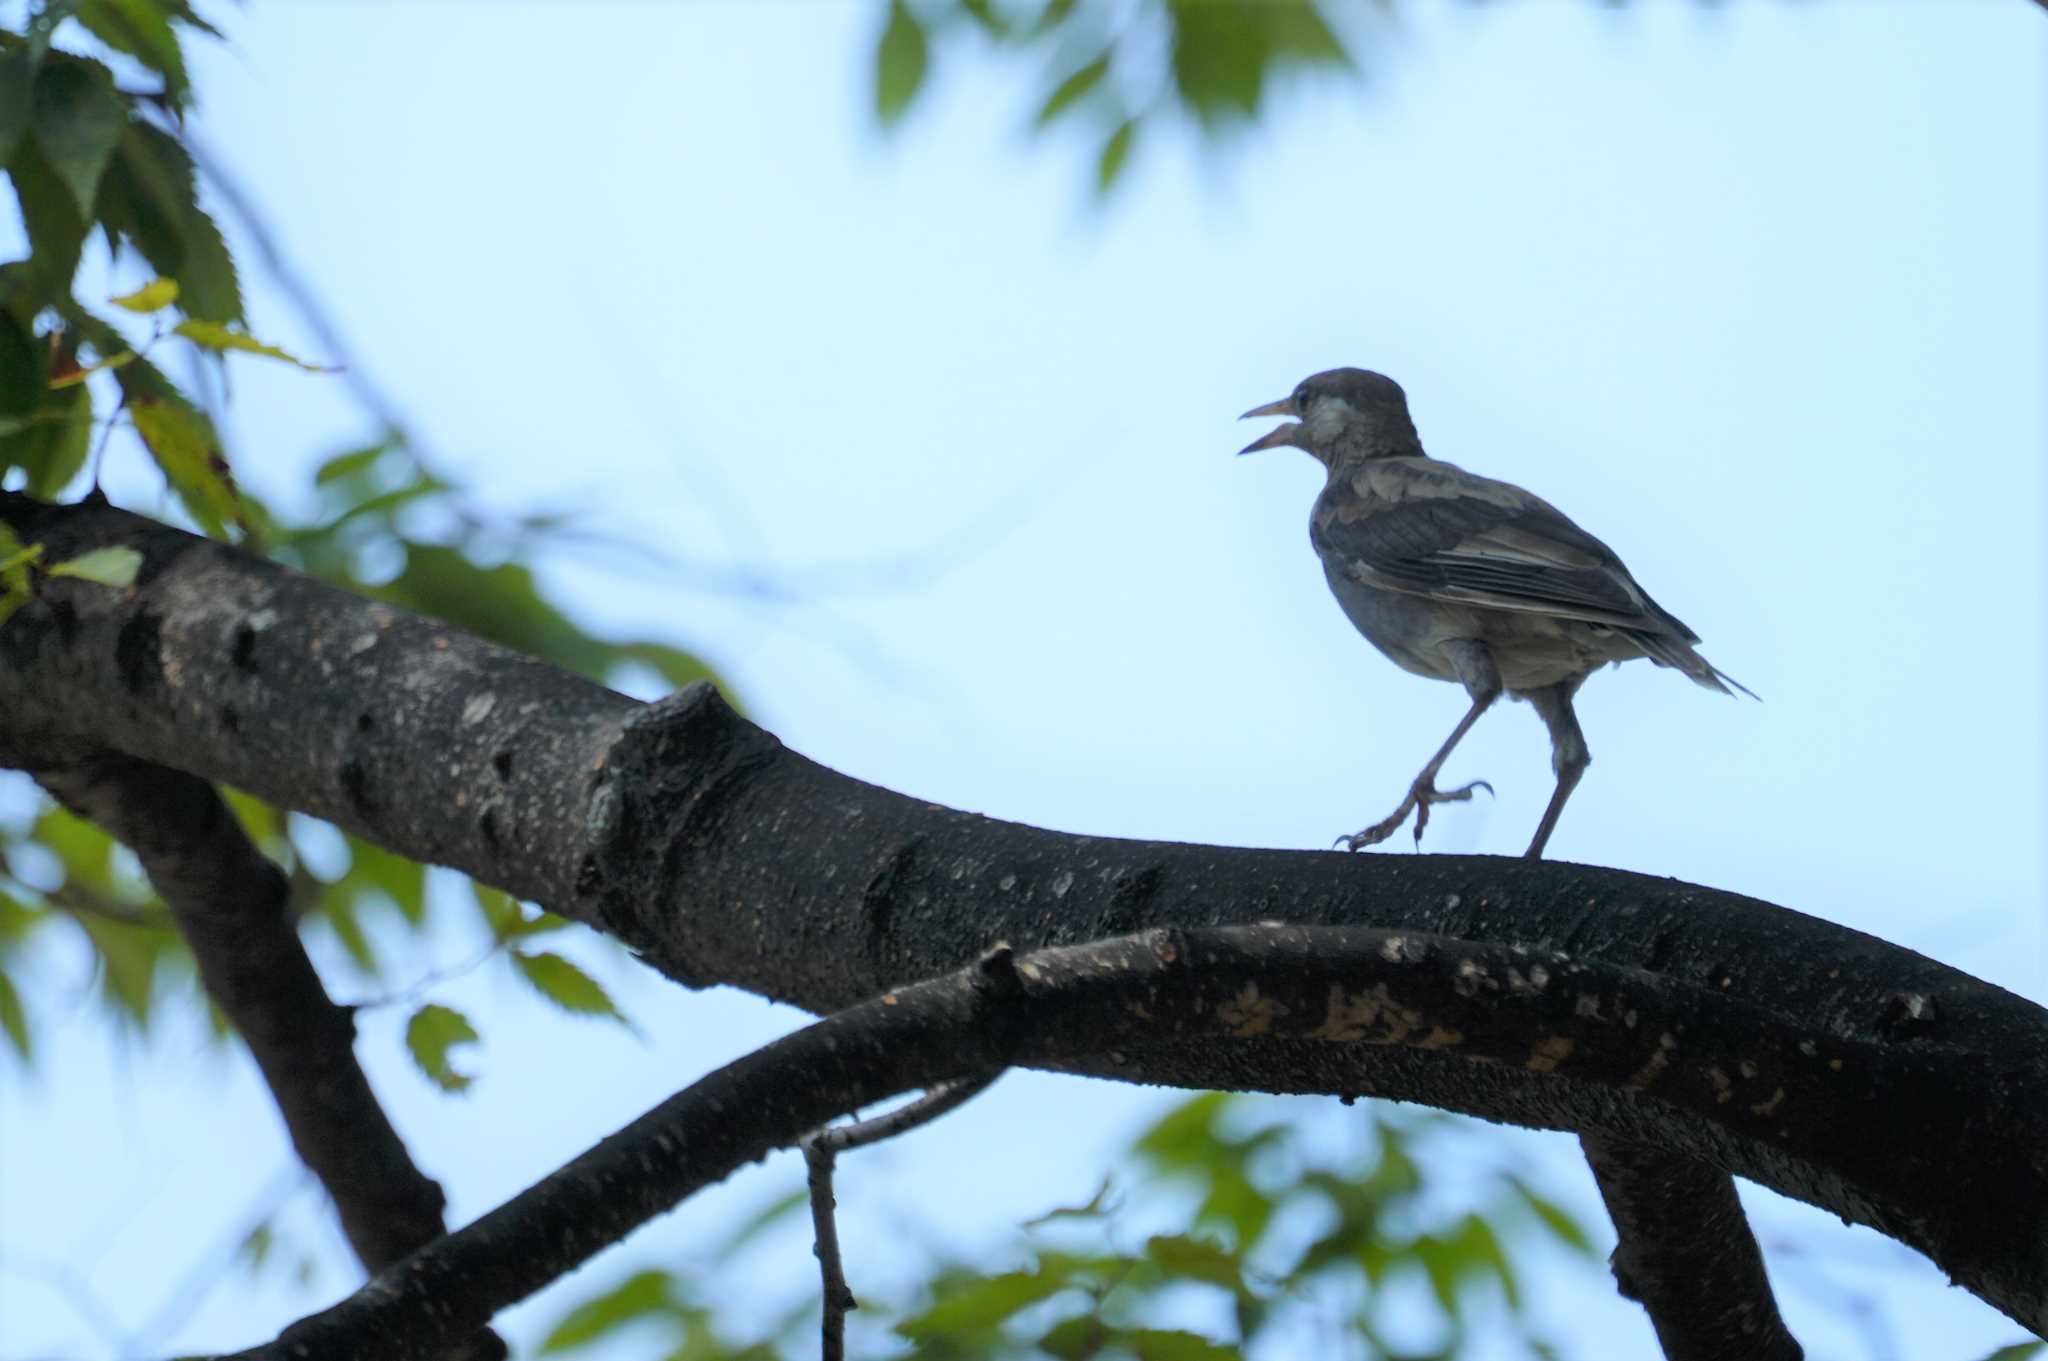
x=1421, y=796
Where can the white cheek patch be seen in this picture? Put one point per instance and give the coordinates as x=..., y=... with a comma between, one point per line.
x=1327, y=422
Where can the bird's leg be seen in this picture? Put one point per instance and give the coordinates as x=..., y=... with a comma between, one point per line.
x=1568, y=754
x=1482, y=681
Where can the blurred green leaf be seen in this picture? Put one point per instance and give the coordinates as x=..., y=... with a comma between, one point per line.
x=1070, y=91
x=351, y=464
x=901, y=58
x=567, y=986
x=433, y=1031
x=402, y=881
x=1195, y=1259
x=1116, y=153
x=130, y=955
x=677, y=667
x=17, y=84
x=77, y=120
x=213, y=335
x=142, y=29
x=24, y=364
x=646, y=1294
x=108, y=566
x=2019, y=1351
x=181, y=440
x=56, y=228
x=51, y=446
x=759, y=1222
x=13, y=1018
x=1561, y=1225
x=1173, y=1344
x=149, y=195
x=982, y=1304
x=1077, y=1338
x=153, y=296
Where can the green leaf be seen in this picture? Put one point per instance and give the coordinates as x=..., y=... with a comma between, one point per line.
x=150, y=197
x=759, y=1222
x=16, y=589
x=142, y=30
x=78, y=119
x=13, y=1018
x=401, y=880
x=432, y=1032
x=24, y=366
x=567, y=986
x=181, y=440
x=1077, y=1338
x=349, y=464
x=1182, y=1137
x=901, y=59
x=214, y=336
x=52, y=444
x=1116, y=153
x=1173, y=1344
x=1220, y=54
x=2018, y=1351
x=646, y=1294
x=56, y=229
x=114, y=567
x=17, y=82
x=1195, y=1259
x=1561, y=1225
x=153, y=296
x=983, y=1303
x=1070, y=91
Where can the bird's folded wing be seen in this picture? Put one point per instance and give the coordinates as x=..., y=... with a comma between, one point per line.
x=1449, y=535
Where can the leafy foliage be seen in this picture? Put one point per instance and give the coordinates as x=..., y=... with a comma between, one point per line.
x=1243, y=1222
x=1101, y=62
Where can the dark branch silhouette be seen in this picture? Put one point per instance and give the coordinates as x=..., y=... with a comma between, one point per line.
x=1880, y=1085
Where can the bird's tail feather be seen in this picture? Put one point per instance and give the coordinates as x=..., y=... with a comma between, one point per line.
x=1674, y=653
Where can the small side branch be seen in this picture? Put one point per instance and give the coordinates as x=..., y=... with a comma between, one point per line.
x=228, y=901
x=821, y=1152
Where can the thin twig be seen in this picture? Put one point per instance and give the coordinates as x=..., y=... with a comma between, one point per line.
x=822, y=1149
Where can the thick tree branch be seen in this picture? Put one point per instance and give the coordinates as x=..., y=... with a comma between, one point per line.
x=721, y=857
x=1355, y=994
x=230, y=904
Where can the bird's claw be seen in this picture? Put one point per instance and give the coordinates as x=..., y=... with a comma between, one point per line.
x=1421, y=796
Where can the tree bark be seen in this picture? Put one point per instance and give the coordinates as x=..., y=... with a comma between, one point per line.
x=1882, y=1086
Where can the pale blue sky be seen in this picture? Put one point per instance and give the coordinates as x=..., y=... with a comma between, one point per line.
x=1755, y=293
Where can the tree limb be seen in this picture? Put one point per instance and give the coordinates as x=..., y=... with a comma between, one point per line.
x=1354, y=993
x=722, y=857
x=229, y=903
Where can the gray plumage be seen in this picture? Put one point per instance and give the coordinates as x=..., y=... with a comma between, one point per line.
x=1460, y=577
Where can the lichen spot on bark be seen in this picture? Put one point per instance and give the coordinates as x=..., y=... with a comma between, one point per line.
x=1250, y=1012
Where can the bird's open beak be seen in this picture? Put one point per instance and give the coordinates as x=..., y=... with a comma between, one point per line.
x=1279, y=434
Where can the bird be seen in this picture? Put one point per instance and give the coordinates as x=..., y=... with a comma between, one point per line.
x=1464, y=578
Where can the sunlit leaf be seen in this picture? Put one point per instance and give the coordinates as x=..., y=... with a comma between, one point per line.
x=901, y=58
x=646, y=1294
x=562, y=983
x=214, y=336
x=114, y=566
x=433, y=1031
x=182, y=442
x=153, y=296
x=77, y=120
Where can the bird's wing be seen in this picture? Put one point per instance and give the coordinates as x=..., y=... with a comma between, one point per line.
x=1428, y=528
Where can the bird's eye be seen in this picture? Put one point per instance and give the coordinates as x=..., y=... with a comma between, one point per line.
x=1300, y=400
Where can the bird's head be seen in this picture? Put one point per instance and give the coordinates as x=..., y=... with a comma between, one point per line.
x=1341, y=413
